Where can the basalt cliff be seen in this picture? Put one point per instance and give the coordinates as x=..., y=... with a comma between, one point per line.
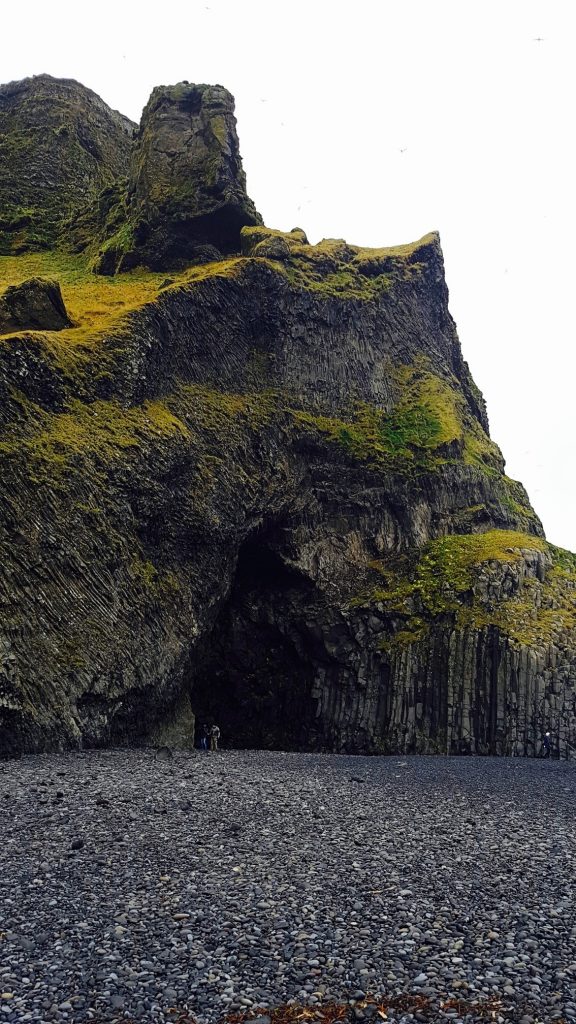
x=245, y=478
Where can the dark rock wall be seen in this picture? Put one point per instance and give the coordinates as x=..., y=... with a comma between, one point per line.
x=267, y=495
x=202, y=542
x=59, y=145
x=187, y=187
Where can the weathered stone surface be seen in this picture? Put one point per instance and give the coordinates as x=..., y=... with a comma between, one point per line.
x=261, y=241
x=273, y=249
x=265, y=495
x=36, y=304
x=59, y=145
x=187, y=189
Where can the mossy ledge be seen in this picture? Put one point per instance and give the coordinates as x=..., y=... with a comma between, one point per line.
x=254, y=479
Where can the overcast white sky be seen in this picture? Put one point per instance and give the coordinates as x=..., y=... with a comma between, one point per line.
x=377, y=122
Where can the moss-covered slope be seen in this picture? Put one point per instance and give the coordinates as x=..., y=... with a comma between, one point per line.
x=263, y=490
x=60, y=145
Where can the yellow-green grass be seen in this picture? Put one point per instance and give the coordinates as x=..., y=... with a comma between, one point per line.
x=429, y=416
x=445, y=567
x=102, y=429
x=94, y=302
x=441, y=579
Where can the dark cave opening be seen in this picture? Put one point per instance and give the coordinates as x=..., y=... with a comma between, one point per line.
x=255, y=673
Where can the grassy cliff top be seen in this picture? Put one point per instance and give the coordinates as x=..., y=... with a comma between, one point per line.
x=331, y=267
x=97, y=303
x=428, y=423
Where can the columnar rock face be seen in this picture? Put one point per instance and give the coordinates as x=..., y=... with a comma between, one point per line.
x=262, y=491
x=60, y=144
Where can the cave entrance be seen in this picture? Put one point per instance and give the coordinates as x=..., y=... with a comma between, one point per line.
x=255, y=673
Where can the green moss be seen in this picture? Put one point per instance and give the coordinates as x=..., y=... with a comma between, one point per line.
x=436, y=576
x=62, y=142
x=101, y=430
x=516, y=499
x=537, y=615
x=429, y=426
x=563, y=560
x=220, y=412
x=88, y=510
x=441, y=580
x=335, y=268
x=480, y=451
x=423, y=394
x=446, y=566
x=219, y=129
x=115, y=248
x=251, y=236
x=343, y=283
x=399, y=439
x=145, y=572
x=404, y=638
x=414, y=251
x=156, y=583
x=418, y=433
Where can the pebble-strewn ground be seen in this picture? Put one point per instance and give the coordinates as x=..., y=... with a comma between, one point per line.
x=130, y=885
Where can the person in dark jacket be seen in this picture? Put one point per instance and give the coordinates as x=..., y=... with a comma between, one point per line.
x=547, y=745
x=204, y=737
x=214, y=737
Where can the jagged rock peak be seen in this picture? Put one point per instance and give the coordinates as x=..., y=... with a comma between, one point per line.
x=187, y=157
x=60, y=144
x=187, y=194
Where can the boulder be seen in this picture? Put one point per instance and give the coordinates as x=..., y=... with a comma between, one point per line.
x=273, y=249
x=262, y=241
x=36, y=305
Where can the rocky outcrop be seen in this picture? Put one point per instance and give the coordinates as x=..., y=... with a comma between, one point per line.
x=74, y=172
x=265, y=494
x=186, y=197
x=36, y=304
x=60, y=144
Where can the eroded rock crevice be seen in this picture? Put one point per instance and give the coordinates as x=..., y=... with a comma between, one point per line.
x=254, y=674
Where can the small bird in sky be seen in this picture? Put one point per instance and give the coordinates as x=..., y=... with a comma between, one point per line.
x=403, y=150
x=538, y=39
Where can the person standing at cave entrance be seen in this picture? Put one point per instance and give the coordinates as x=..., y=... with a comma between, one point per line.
x=214, y=737
x=547, y=745
x=204, y=737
